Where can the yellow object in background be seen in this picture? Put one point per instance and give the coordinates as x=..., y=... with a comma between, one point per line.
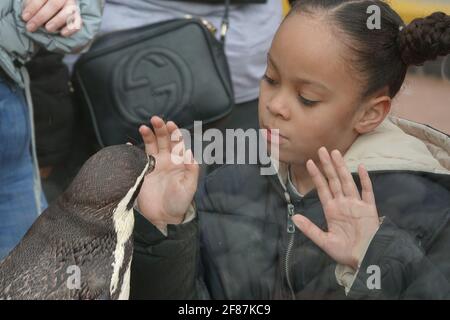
x=410, y=9
x=286, y=6
x=407, y=9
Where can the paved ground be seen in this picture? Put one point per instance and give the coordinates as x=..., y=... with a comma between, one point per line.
x=425, y=99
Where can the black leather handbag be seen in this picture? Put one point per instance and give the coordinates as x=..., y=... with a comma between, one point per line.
x=176, y=69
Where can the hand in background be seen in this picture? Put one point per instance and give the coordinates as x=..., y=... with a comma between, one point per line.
x=61, y=16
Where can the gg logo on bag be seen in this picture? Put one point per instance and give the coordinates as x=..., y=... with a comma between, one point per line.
x=148, y=80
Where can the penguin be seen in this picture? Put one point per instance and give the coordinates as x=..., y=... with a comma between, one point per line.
x=81, y=246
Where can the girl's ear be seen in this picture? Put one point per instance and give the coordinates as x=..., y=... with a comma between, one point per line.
x=373, y=113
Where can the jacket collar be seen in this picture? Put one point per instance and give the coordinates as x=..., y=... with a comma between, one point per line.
x=401, y=145
x=396, y=145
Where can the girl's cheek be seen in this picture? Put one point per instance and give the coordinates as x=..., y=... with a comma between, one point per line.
x=262, y=89
x=263, y=97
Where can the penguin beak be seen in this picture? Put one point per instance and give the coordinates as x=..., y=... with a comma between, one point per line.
x=151, y=164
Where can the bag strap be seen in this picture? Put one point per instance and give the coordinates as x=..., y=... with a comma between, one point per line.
x=225, y=22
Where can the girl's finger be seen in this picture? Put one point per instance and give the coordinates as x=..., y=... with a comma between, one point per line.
x=366, y=184
x=151, y=146
x=313, y=232
x=319, y=181
x=348, y=183
x=175, y=134
x=330, y=172
x=162, y=134
x=177, y=146
x=192, y=171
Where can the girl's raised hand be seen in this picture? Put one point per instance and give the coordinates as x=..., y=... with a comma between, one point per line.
x=352, y=218
x=168, y=191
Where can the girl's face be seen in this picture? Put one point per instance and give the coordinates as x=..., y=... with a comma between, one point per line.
x=308, y=92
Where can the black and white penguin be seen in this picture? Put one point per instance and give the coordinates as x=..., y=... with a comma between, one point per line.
x=81, y=246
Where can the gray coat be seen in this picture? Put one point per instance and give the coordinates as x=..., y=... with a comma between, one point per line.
x=17, y=45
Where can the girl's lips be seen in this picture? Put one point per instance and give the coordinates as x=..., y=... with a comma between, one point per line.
x=274, y=136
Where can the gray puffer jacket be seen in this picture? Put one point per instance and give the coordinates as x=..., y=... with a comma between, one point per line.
x=17, y=45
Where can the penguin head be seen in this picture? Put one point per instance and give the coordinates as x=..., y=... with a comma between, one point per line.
x=110, y=176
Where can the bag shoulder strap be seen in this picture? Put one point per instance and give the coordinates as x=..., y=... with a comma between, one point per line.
x=225, y=22
x=225, y=25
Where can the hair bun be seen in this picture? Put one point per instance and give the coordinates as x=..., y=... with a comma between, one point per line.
x=425, y=39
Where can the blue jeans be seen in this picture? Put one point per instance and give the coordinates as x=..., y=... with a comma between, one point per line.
x=18, y=208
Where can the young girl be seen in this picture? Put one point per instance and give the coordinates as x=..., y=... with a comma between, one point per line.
x=24, y=26
x=321, y=228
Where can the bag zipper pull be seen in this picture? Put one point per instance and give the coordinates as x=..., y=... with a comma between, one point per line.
x=211, y=28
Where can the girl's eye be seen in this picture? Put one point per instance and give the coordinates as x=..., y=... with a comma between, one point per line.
x=306, y=102
x=269, y=80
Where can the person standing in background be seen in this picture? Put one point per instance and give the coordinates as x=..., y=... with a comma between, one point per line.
x=57, y=25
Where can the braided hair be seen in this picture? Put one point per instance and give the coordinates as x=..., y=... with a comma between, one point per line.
x=425, y=39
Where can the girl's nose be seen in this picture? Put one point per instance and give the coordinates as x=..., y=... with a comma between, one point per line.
x=278, y=106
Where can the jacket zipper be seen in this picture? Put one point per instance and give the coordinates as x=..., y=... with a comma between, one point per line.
x=291, y=232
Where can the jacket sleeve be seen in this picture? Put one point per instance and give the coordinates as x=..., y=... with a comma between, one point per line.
x=21, y=43
x=164, y=267
x=396, y=266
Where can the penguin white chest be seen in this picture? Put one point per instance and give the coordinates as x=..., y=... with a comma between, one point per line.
x=123, y=219
x=124, y=224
